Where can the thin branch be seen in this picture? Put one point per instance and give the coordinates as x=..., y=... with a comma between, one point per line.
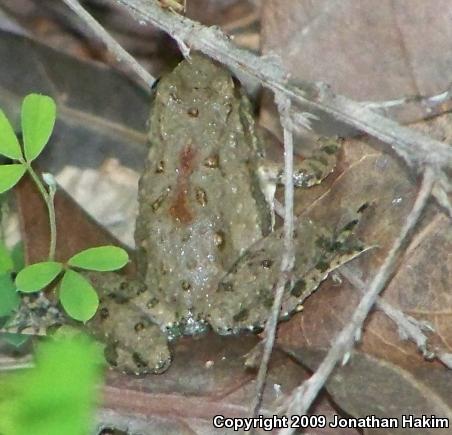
x=302, y=397
x=287, y=261
x=120, y=53
x=409, y=327
x=414, y=147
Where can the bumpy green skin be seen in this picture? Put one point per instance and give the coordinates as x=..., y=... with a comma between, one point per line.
x=206, y=254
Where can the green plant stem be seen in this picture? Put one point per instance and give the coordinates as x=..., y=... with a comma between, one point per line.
x=49, y=200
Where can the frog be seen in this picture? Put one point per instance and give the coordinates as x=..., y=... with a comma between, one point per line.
x=208, y=247
x=208, y=255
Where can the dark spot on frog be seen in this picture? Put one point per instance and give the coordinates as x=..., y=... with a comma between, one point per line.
x=193, y=112
x=119, y=297
x=298, y=288
x=317, y=171
x=158, y=202
x=201, y=197
x=179, y=210
x=152, y=303
x=185, y=285
x=225, y=287
x=242, y=315
x=160, y=167
x=365, y=206
x=139, y=362
x=322, y=265
x=219, y=239
x=266, y=264
x=329, y=149
x=336, y=246
x=138, y=327
x=212, y=161
x=103, y=313
x=111, y=354
x=350, y=226
x=141, y=290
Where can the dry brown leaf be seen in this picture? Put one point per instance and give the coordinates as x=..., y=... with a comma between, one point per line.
x=425, y=393
x=366, y=51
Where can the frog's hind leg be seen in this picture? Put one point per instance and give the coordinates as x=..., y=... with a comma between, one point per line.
x=337, y=249
x=314, y=169
x=245, y=295
x=139, y=347
x=134, y=344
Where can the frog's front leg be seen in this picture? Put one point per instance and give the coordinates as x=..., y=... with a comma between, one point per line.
x=307, y=171
x=245, y=295
x=134, y=344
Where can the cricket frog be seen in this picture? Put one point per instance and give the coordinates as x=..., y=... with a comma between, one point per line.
x=208, y=256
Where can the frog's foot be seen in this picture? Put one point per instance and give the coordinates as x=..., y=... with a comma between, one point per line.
x=245, y=295
x=134, y=344
x=137, y=347
x=307, y=171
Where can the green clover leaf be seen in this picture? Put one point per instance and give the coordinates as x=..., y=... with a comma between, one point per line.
x=78, y=297
x=101, y=259
x=9, y=145
x=37, y=276
x=38, y=120
x=10, y=175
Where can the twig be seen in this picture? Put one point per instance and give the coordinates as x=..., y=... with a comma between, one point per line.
x=414, y=147
x=302, y=397
x=111, y=44
x=287, y=261
x=409, y=327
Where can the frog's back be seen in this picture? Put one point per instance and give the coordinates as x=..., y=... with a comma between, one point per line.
x=200, y=207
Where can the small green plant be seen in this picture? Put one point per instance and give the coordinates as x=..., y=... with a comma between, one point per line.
x=9, y=299
x=76, y=294
x=49, y=399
